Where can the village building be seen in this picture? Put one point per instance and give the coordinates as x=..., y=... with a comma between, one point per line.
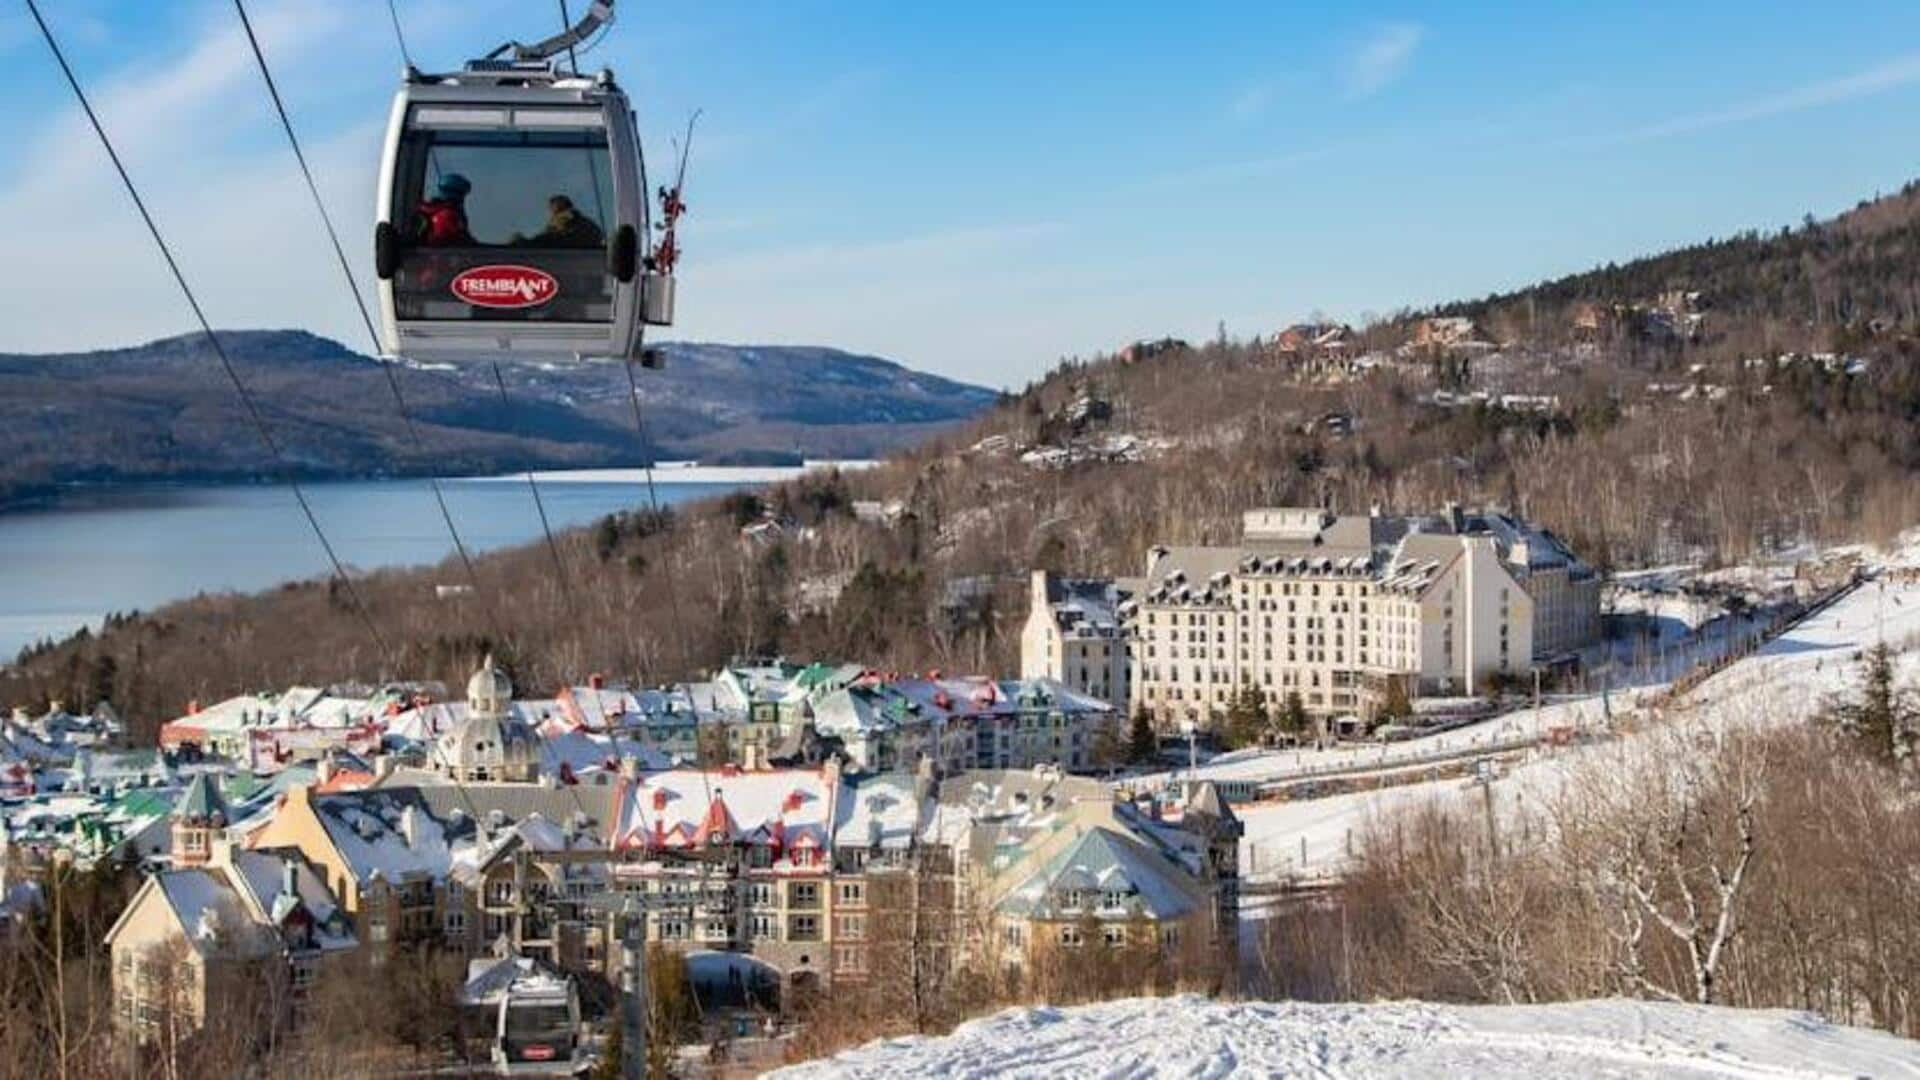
x=1074, y=635
x=1316, y=349
x=226, y=928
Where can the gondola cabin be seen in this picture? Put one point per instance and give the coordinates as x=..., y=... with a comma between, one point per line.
x=512, y=217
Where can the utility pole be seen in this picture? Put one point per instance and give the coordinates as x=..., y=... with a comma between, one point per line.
x=1493, y=835
x=633, y=991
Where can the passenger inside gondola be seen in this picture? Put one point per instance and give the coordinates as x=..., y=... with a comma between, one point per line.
x=442, y=221
x=566, y=227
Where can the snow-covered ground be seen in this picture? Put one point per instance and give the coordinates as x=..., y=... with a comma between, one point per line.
x=1522, y=725
x=1193, y=1037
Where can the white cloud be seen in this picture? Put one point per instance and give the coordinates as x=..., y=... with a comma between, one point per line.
x=1878, y=79
x=198, y=138
x=1382, y=57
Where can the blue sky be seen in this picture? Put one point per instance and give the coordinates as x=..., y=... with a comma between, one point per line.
x=981, y=189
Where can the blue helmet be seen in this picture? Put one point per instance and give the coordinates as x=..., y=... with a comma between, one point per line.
x=455, y=186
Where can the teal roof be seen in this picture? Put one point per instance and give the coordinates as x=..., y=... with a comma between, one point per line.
x=813, y=675
x=201, y=802
x=1102, y=861
x=243, y=786
x=144, y=802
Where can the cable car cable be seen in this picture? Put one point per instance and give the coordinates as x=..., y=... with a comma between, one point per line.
x=566, y=23
x=394, y=12
x=247, y=400
x=539, y=504
x=653, y=493
x=593, y=172
x=359, y=301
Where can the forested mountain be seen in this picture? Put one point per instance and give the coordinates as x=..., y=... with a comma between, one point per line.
x=1716, y=403
x=1842, y=283
x=165, y=410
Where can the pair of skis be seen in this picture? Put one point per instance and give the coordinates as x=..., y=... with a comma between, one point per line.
x=673, y=204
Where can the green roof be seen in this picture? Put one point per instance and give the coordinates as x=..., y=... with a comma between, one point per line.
x=144, y=802
x=243, y=786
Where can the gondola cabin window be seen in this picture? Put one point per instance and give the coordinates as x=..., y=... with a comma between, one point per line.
x=503, y=214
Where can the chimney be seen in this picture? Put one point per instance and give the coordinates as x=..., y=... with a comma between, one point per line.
x=1154, y=555
x=410, y=826
x=830, y=771
x=629, y=768
x=923, y=778
x=324, y=773
x=289, y=876
x=597, y=681
x=382, y=767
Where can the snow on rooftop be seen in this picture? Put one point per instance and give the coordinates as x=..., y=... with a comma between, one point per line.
x=671, y=807
x=1192, y=1036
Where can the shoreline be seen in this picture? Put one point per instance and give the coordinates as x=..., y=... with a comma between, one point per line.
x=47, y=497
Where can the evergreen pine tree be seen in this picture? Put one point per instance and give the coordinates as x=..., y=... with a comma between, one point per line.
x=1293, y=718
x=1142, y=744
x=1877, y=716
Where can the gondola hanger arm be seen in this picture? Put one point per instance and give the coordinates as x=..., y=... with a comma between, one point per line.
x=599, y=14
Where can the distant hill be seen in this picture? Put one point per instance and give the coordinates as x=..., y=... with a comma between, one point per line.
x=165, y=410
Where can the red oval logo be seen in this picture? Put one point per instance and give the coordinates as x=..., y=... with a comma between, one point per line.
x=505, y=286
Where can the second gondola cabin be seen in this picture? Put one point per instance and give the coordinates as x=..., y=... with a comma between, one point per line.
x=512, y=210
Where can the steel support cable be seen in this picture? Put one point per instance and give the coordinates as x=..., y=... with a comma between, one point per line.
x=251, y=406
x=653, y=493
x=366, y=318
x=393, y=12
x=540, y=506
x=533, y=485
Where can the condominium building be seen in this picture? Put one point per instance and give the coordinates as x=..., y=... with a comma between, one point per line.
x=1074, y=635
x=1341, y=609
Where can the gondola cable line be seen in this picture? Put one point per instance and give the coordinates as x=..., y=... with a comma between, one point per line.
x=249, y=404
x=619, y=108
x=353, y=287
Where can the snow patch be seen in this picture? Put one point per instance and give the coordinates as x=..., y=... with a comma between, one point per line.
x=1192, y=1036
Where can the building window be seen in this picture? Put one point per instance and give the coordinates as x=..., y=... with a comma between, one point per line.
x=850, y=927
x=1071, y=937
x=803, y=928
x=1113, y=936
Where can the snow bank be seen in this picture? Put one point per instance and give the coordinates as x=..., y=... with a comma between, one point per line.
x=1191, y=1036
